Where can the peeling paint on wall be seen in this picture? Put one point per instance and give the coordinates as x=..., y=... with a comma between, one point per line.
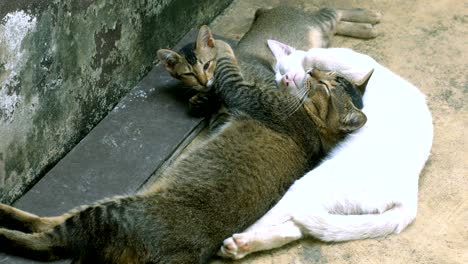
x=8, y=104
x=14, y=27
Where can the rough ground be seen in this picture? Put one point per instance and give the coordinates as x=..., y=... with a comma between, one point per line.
x=425, y=42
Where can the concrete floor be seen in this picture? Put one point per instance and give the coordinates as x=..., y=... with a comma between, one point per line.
x=425, y=42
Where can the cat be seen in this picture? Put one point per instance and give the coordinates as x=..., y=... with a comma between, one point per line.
x=218, y=188
x=368, y=186
x=194, y=64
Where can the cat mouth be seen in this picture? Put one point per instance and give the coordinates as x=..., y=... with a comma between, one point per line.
x=204, y=87
x=291, y=81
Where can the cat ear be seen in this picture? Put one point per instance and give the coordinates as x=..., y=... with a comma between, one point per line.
x=361, y=86
x=170, y=58
x=279, y=49
x=205, y=38
x=353, y=121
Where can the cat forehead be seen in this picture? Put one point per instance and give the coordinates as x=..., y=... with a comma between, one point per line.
x=188, y=51
x=296, y=58
x=194, y=55
x=341, y=88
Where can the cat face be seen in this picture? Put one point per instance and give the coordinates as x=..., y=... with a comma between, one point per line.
x=334, y=101
x=195, y=63
x=289, y=65
x=290, y=71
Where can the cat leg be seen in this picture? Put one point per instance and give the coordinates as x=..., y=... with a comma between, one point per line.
x=357, y=23
x=240, y=245
x=203, y=104
x=359, y=15
x=16, y=219
x=356, y=30
x=39, y=246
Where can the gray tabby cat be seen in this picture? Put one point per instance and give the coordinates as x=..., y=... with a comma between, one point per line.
x=219, y=188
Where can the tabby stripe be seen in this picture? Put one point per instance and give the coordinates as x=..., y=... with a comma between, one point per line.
x=230, y=77
x=226, y=68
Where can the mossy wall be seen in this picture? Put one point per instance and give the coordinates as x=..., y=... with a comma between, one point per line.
x=65, y=63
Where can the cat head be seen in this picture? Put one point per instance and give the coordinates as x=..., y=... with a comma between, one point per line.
x=288, y=66
x=333, y=103
x=195, y=63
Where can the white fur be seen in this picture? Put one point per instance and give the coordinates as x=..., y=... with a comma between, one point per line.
x=368, y=187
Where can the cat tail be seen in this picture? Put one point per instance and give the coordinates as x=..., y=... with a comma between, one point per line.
x=70, y=235
x=335, y=227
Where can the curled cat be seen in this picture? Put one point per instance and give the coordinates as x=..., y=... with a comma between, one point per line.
x=368, y=186
x=218, y=188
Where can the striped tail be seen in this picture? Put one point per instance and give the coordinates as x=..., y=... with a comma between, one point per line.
x=79, y=232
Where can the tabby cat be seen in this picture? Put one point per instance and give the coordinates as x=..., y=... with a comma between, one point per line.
x=368, y=186
x=218, y=188
x=195, y=63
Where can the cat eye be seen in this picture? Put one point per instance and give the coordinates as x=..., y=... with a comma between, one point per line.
x=205, y=67
x=188, y=74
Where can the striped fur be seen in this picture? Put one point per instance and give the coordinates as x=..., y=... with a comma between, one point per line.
x=218, y=188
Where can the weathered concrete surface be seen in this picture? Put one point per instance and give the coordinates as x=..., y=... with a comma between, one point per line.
x=425, y=42
x=65, y=64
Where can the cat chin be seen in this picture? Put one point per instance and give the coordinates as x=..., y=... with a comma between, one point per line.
x=209, y=84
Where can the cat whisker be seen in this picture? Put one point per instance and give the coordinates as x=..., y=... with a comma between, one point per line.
x=300, y=96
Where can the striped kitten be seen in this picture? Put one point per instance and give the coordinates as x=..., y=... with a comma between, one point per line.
x=218, y=188
x=195, y=64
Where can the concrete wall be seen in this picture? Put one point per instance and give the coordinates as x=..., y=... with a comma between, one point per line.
x=64, y=64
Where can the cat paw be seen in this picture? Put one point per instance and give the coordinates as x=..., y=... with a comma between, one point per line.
x=203, y=104
x=360, y=15
x=235, y=247
x=374, y=17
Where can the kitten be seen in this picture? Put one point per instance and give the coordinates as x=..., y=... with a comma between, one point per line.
x=218, y=188
x=368, y=186
x=194, y=64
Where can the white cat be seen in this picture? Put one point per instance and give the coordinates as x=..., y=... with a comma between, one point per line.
x=368, y=186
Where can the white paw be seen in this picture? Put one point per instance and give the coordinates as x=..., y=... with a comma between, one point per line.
x=235, y=247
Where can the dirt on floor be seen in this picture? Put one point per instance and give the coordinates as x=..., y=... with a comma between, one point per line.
x=426, y=43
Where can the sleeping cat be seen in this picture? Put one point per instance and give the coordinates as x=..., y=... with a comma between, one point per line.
x=218, y=188
x=368, y=186
x=194, y=64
